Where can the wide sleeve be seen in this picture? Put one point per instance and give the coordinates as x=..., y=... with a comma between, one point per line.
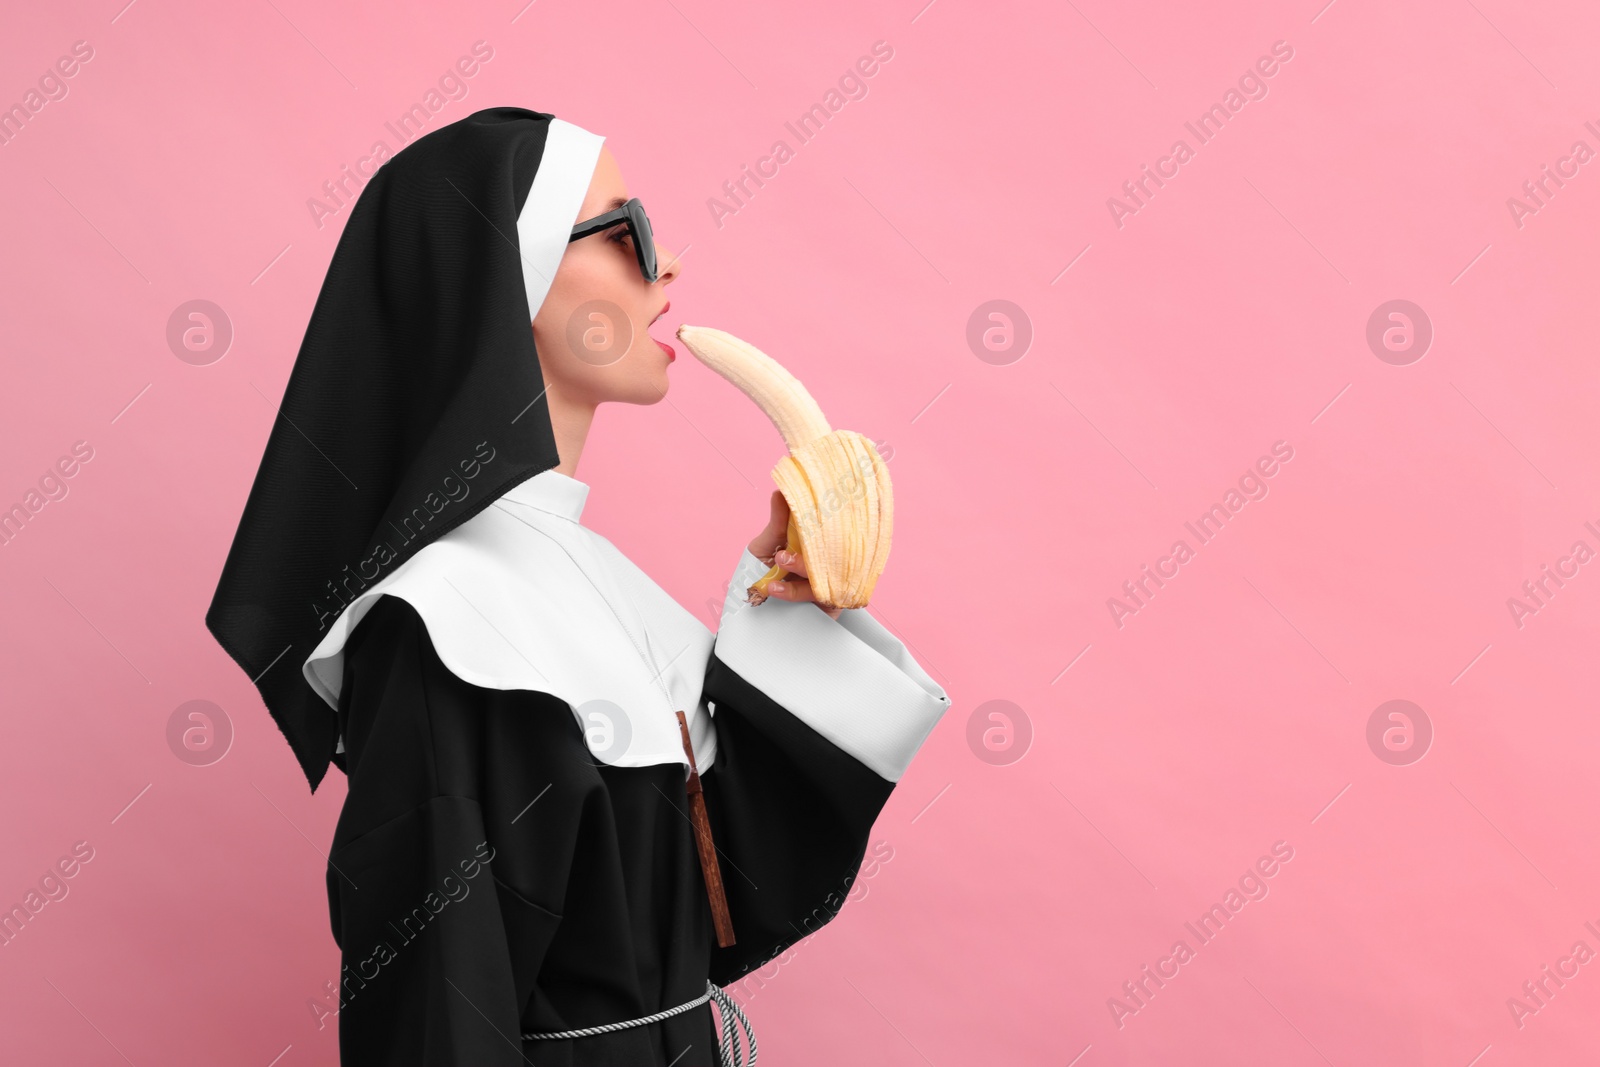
x=816, y=720
x=441, y=934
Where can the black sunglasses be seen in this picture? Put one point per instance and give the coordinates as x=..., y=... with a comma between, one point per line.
x=638, y=223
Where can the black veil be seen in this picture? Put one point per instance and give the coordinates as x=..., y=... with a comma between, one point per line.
x=416, y=398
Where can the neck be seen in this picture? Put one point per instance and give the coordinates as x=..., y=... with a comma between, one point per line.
x=570, y=421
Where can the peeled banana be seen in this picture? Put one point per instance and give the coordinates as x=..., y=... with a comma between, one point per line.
x=841, y=506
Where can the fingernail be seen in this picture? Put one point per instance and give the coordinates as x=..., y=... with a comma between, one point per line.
x=775, y=587
x=785, y=557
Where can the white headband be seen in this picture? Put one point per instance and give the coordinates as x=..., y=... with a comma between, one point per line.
x=551, y=210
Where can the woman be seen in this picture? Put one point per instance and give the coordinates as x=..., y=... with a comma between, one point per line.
x=536, y=736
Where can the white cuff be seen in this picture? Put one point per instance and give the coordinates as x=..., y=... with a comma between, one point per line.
x=849, y=679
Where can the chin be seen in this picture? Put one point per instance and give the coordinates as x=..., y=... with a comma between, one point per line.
x=650, y=391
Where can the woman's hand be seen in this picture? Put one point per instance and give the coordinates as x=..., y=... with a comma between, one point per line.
x=768, y=546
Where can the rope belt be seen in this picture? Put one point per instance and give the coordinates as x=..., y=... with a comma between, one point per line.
x=731, y=1014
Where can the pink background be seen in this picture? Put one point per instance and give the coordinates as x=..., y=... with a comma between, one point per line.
x=1228, y=313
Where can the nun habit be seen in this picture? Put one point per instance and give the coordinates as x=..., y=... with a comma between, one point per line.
x=414, y=593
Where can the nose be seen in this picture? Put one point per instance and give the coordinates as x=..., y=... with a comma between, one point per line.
x=670, y=265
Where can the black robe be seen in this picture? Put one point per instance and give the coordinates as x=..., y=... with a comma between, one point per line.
x=493, y=871
x=489, y=877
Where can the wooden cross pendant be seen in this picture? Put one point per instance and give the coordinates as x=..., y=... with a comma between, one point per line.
x=708, y=850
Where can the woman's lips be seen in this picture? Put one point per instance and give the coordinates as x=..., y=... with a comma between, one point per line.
x=671, y=355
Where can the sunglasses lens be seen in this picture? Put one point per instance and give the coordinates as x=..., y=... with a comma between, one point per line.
x=644, y=240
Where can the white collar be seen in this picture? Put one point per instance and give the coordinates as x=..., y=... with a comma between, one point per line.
x=551, y=491
x=523, y=596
